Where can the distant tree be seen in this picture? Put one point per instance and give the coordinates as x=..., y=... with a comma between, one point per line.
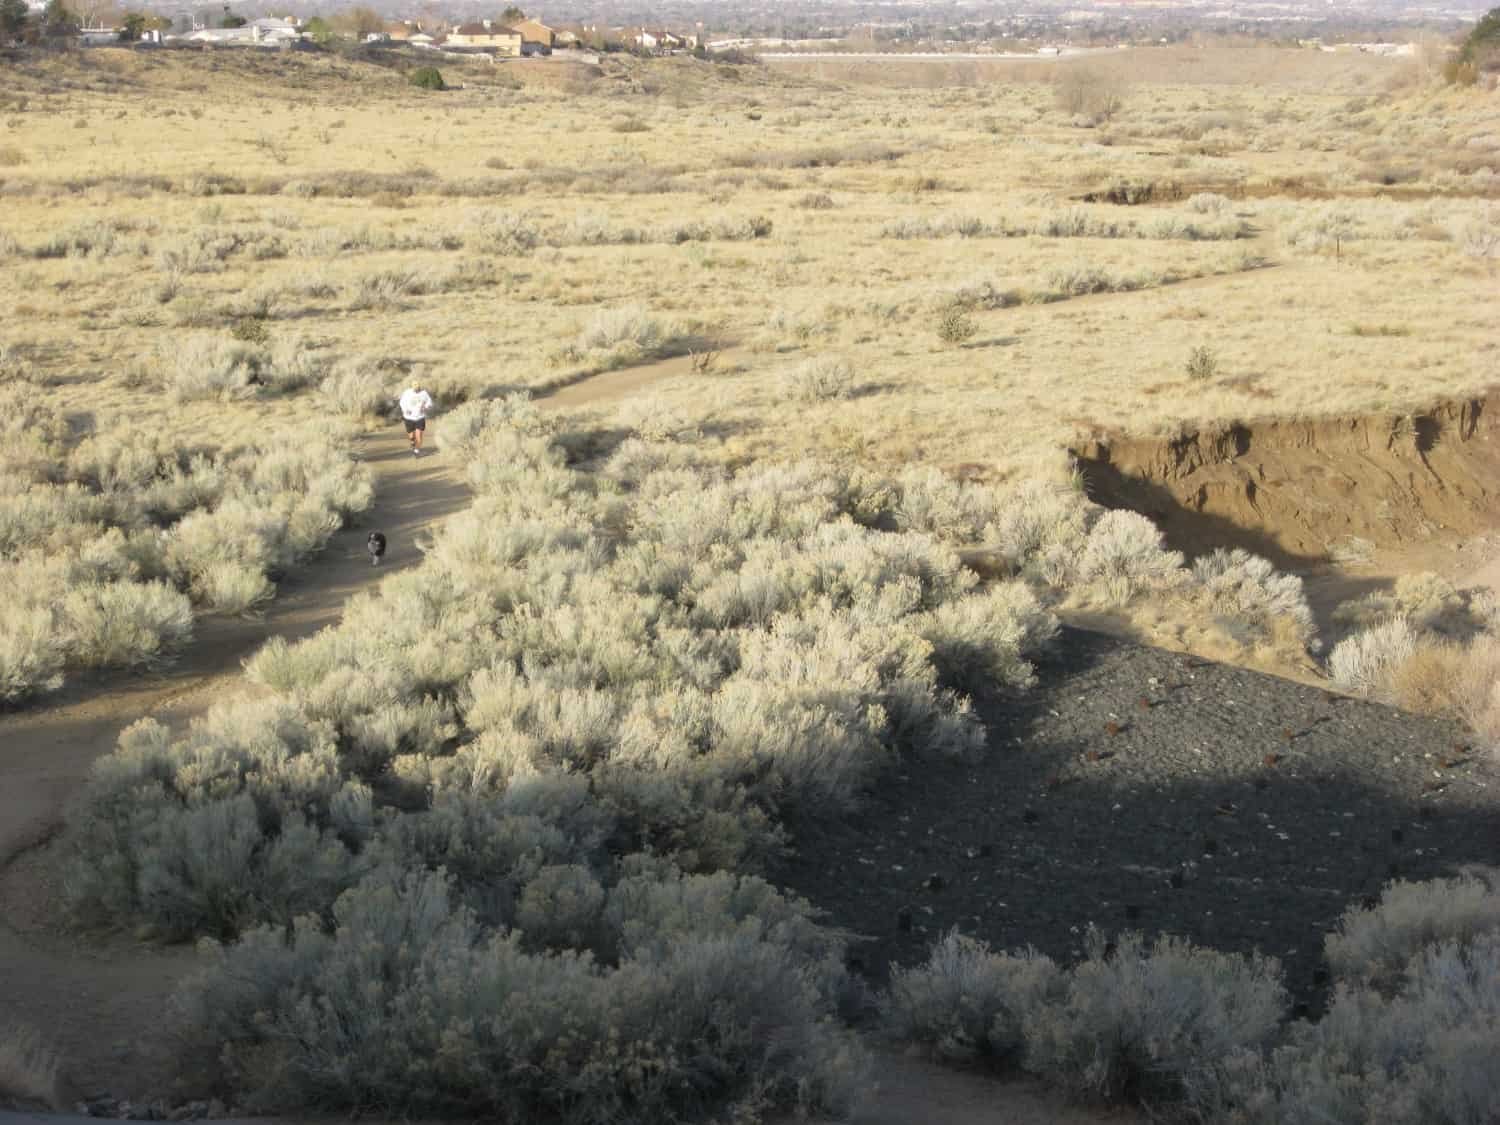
x=511, y=15
x=358, y=22
x=1082, y=90
x=12, y=19
x=1481, y=47
x=132, y=26
x=233, y=21
x=427, y=78
x=318, y=29
x=58, y=20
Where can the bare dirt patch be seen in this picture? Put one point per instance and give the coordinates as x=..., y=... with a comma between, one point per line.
x=1299, y=490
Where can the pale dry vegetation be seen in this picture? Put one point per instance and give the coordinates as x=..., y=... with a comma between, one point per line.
x=112, y=537
x=1203, y=1036
x=490, y=846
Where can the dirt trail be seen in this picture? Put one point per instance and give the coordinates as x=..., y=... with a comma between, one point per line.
x=94, y=997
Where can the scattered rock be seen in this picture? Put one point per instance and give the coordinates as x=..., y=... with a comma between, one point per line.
x=934, y=882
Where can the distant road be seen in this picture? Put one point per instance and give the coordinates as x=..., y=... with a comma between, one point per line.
x=929, y=56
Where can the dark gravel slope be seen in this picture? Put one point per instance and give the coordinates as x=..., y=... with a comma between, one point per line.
x=1142, y=789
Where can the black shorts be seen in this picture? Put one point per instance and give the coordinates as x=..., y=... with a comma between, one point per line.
x=412, y=427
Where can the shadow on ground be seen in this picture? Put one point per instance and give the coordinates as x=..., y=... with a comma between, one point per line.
x=1150, y=790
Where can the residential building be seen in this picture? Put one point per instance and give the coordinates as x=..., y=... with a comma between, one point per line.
x=535, y=31
x=488, y=35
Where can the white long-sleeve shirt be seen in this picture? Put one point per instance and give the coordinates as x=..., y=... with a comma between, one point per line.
x=415, y=404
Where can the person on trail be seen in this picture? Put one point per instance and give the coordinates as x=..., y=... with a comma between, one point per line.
x=415, y=403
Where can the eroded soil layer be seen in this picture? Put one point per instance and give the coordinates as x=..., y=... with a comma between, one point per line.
x=1299, y=491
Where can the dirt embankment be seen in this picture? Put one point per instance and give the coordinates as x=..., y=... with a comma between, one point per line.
x=1300, y=492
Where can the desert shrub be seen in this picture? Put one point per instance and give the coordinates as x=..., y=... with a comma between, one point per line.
x=387, y=289
x=33, y=652
x=498, y=232
x=1251, y=600
x=1428, y=602
x=1364, y=662
x=816, y=201
x=629, y=327
x=1373, y=947
x=1210, y=203
x=292, y=365
x=427, y=78
x=820, y=379
x=204, y=366
x=122, y=624
x=930, y=501
x=981, y=640
x=1423, y=1056
x=1124, y=553
x=955, y=326
x=1085, y=91
x=1137, y=1023
x=30, y=1077
x=355, y=389
x=1202, y=363
x=204, y=833
x=409, y=1004
x=967, y=1003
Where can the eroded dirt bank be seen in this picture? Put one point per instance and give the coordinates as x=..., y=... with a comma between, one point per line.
x=1303, y=491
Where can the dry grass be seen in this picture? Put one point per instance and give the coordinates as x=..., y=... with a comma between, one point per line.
x=391, y=261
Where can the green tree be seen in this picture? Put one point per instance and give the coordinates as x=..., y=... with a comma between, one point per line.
x=512, y=15
x=131, y=27
x=1481, y=47
x=12, y=19
x=428, y=78
x=318, y=29
x=58, y=20
x=358, y=22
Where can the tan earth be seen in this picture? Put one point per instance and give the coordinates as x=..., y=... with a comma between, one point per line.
x=99, y=1000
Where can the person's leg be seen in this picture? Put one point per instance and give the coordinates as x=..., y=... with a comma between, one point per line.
x=421, y=429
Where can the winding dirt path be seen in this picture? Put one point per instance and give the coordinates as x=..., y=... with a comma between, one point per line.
x=95, y=998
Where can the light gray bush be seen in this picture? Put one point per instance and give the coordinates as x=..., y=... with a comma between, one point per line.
x=984, y=639
x=409, y=1004
x=629, y=326
x=968, y=1003
x=124, y=624
x=1364, y=662
x=1136, y=1022
x=205, y=366
x=1373, y=947
x=32, y=649
x=1423, y=1056
x=1247, y=593
x=1125, y=553
x=821, y=379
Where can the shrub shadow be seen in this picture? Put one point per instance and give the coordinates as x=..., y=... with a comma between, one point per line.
x=1142, y=789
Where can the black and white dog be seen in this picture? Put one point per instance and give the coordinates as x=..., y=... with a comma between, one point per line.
x=375, y=544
